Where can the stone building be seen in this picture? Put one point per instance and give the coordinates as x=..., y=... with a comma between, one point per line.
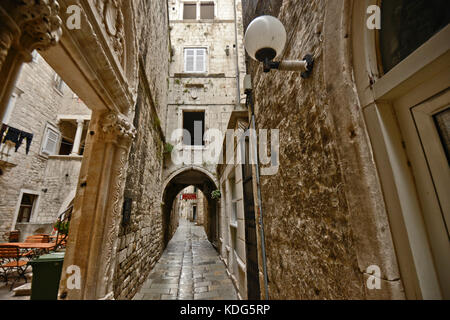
x=206, y=72
x=238, y=249
x=363, y=158
x=40, y=183
x=192, y=205
x=122, y=78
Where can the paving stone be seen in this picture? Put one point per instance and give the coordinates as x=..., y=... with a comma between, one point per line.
x=189, y=269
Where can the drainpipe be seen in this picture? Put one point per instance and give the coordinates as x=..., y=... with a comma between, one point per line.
x=249, y=93
x=238, y=81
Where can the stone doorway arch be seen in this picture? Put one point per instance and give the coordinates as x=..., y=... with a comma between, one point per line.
x=178, y=181
x=105, y=77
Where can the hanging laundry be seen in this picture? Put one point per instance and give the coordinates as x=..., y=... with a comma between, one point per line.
x=3, y=130
x=28, y=137
x=12, y=135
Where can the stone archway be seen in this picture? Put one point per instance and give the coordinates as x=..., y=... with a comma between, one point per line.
x=105, y=77
x=179, y=180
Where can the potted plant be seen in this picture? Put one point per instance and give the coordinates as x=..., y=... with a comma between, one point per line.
x=62, y=227
x=216, y=194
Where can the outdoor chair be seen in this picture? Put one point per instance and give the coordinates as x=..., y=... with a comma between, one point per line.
x=39, y=238
x=10, y=262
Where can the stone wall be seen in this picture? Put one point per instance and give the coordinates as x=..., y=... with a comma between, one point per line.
x=141, y=241
x=313, y=236
x=53, y=180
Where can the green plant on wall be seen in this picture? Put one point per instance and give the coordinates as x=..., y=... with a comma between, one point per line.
x=216, y=194
x=156, y=122
x=168, y=148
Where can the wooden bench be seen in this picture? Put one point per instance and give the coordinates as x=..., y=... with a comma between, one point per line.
x=10, y=260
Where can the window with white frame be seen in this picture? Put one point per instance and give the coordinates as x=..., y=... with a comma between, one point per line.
x=51, y=141
x=59, y=83
x=195, y=60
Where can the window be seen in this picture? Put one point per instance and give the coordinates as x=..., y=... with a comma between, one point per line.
x=66, y=147
x=51, y=140
x=190, y=11
x=194, y=123
x=207, y=11
x=26, y=208
x=59, y=83
x=198, y=10
x=406, y=25
x=195, y=60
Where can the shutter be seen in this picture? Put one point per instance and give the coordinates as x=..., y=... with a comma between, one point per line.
x=51, y=141
x=189, y=60
x=200, y=60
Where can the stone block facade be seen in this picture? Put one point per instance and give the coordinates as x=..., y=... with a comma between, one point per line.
x=141, y=242
x=36, y=104
x=216, y=90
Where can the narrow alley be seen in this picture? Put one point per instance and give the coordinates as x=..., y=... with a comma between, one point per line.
x=247, y=150
x=189, y=269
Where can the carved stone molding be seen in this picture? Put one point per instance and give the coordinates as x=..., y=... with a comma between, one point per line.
x=117, y=127
x=6, y=39
x=38, y=23
x=25, y=25
x=108, y=261
x=113, y=21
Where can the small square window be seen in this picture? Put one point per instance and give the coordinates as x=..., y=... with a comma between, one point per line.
x=194, y=123
x=207, y=11
x=190, y=11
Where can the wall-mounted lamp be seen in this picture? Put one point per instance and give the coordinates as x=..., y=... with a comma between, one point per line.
x=227, y=51
x=265, y=40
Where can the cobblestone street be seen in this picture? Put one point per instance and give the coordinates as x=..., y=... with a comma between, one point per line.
x=189, y=269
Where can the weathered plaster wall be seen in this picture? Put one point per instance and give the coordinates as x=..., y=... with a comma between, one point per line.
x=141, y=241
x=317, y=230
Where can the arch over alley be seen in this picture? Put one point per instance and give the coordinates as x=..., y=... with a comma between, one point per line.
x=178, y=181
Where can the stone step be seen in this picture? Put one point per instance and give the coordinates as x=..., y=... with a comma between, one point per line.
x=24, y=290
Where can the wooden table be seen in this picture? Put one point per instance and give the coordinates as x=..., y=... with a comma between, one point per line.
x=30, y=245
x=37, y=248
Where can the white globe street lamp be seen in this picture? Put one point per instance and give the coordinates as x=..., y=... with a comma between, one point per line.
x=265, y=40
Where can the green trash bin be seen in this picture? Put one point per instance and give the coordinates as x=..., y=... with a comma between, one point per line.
x=46, y=276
